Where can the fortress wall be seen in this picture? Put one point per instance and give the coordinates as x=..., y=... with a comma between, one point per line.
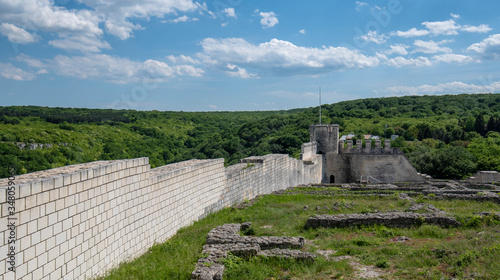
x=308, y=150
x=181, y=193
x=265, y=174
x=313, y=169
x=388, y=168
x=485, y=177
x=77, y=222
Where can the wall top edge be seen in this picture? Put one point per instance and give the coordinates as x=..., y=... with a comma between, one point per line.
x=324, y=125
x=48, y=174
x=162, y=170
x=312, y=143
x=262, y=159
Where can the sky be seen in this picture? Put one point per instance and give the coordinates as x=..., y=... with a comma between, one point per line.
x=242, y=55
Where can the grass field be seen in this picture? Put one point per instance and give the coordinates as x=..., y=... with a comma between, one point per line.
x=431, y=252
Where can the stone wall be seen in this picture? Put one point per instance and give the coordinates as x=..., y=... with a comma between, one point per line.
x=77, y=222
x=485, y=177
x=384, y=167
x=346, y=147
x=308, y=150
x=265, y=174
x=327, y=137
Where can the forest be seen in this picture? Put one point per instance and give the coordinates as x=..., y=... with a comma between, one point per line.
x=448, y=137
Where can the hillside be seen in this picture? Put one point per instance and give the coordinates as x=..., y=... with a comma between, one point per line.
x=448, y=136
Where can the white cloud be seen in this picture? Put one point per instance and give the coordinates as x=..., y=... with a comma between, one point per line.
x=448, y=27
x=188, y=70
x=182, y=59
x=450, y=88
x=483, y=28
x=268, y=19
x=118, y=70
x=489, y=48
x=455, y=16
x=32, y=62
x=16, y=34
x=302, y=31
x=9, y=71
x=279, y=57
x=411, y=33
x=183, y=18
x=116, y=13
x=360, y=5
x=430, y=46
x=214, y=107
x=80, y=43
x=397, y=49
x=453, y=58
x=400, y=61
x=373, y=37
x=229, y=12
x=44, y=16
x=235, y=71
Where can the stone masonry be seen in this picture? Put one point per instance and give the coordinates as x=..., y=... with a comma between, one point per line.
x=225, y=239
x=385, y=219
x=79, y=221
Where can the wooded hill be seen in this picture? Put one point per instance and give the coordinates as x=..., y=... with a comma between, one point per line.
x=449, y=136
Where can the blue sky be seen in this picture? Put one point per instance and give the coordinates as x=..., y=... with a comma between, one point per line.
x=228, y=55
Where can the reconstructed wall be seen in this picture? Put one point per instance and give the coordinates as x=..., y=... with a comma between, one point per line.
x=485, y=177
x=79, y=221
x=384, y=164
x=308, y=150
x=385, y=168
x=265, y=174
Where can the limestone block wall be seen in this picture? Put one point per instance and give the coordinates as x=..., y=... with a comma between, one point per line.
x=387, y=168
x=79, y=221
x=264, y=174
x=485, y=176
x=182, y=193
x=308, y=150
x=76, y=221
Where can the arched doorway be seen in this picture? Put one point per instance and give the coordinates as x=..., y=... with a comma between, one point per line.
x=332, y=179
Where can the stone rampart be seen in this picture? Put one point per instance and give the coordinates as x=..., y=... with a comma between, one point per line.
x=77, y=222
x=308, y=150
x=485, y=177
x=383, y=167
x=349, y=148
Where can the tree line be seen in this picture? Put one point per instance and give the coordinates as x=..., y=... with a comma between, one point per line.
x=448, y=136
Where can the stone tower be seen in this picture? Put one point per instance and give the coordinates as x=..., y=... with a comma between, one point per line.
x=327, y=137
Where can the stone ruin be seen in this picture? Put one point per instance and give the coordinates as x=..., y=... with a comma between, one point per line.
x=225, y=239
x=386, y=219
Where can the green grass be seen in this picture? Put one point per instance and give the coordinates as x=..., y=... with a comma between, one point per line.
x=431, y=253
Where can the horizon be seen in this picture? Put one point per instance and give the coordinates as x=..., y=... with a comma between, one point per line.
x=242, y=56
x=248, y=111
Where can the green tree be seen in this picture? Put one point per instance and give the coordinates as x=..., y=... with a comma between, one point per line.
x=453, y=162
x=480, y=125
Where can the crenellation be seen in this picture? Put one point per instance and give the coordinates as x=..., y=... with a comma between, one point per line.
x=349, y=144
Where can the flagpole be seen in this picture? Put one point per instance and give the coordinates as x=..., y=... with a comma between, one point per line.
x=319, y=105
